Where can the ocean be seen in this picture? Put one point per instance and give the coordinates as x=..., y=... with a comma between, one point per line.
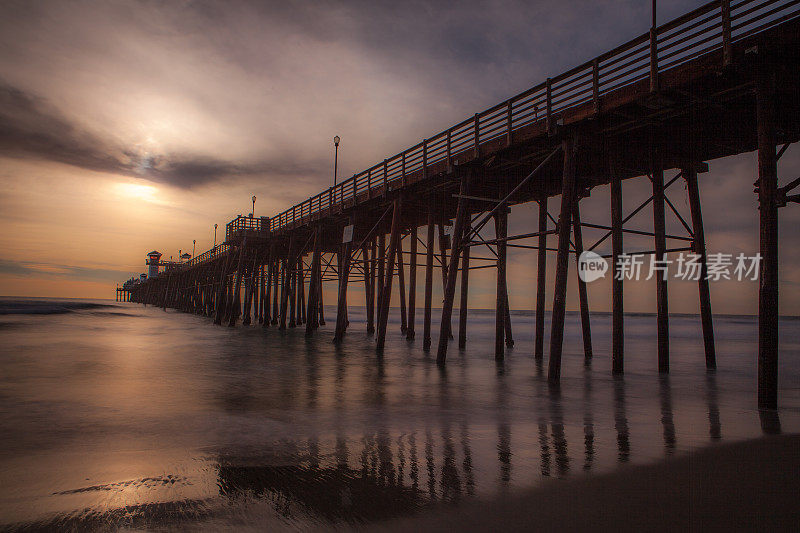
x=119, y=416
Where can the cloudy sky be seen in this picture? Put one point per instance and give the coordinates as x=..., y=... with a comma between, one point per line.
x=129, y=126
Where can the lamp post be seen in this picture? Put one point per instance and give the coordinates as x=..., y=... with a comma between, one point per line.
x=194, y=242
x=254, y=205
x=654, y=14
x=335, y=158
x=215, y=235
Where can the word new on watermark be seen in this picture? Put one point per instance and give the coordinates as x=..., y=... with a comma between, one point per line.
x=686, y=267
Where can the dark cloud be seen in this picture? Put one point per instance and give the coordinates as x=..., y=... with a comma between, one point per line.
x=32, y=128
x=29, y=127
x=254, y=88
x=185, y=171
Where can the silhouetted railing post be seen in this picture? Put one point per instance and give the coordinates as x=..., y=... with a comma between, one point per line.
x=653, y=53
x=726, y=32
x=509, y=122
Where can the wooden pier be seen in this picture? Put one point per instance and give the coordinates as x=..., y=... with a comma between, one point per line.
x=718, y=81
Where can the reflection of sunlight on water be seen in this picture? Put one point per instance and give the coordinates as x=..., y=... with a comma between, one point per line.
x=148, y=417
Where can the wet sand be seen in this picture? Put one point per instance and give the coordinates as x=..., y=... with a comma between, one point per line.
x=117, y=416
x=746, y=486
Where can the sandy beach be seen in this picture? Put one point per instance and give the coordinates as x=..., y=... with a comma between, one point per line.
x=747, y=486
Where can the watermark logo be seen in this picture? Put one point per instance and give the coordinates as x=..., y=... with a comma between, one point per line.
x=591, y=266
x=685, y=267
x=690, y=267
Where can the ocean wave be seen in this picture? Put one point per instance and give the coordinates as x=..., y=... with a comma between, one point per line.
x=45, y=307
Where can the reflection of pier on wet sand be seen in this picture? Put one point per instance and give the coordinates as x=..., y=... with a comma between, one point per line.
x=389, y=473
x=742, y=486
x=745, y=486
x=322, y=437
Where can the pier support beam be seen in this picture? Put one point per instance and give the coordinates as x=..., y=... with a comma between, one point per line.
x=443, y=259
x=394, y=241
x=452, y=273
x=236, y=307
x=463, y=306
x=312, y=315
x=276, y=282
x=766, y=114
x=344, y=278
x=541, y=279
x=248, y=297
x=321, y=301
x=291, y=271
x=509, y=333
x=256, y=283
x=617, y=317
x=267, y=300
x=369, y=300
x=287, y=283
x=562, y=262
x=262, y=292
x=301, y=291
x=381, y=270
x=374, y=286
x=401, y=280
x=586, y=327
x=501, y=232
x=251, y=292
x=412, y=284
x=165, y=299
x=699, y=247
x=662, y=309
x=426, y=342
x=443, y=252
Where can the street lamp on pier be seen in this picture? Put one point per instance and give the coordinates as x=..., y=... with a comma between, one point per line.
x=215, y=235
x=335, y=158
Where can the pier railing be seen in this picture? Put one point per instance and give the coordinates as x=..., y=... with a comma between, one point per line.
x=234, y=229
x=240, y=226
x=213, y=253
x=711, y=27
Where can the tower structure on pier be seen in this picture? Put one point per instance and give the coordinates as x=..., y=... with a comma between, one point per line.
x=153, y=261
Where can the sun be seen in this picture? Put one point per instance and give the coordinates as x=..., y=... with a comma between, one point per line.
x=136, y=191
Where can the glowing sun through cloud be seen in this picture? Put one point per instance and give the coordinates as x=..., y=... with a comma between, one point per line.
x=137, y=191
